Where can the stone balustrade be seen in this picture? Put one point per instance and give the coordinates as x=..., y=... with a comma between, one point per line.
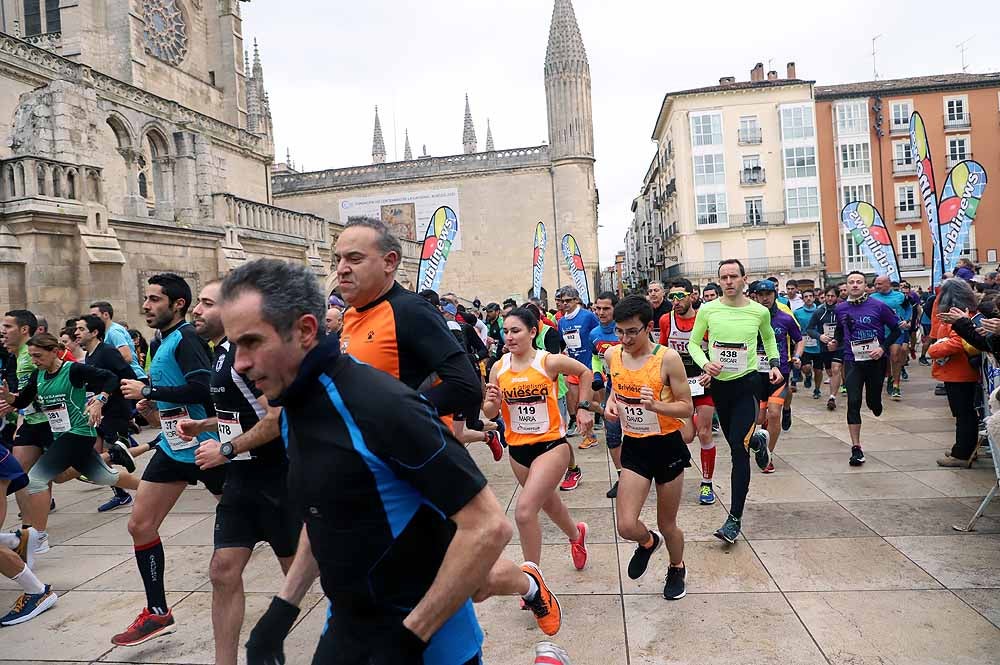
x=31, y=177
x=50, y=41
x=243, y=214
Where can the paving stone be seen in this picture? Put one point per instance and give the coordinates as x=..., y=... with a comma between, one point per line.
x=962, y=561
x=918, y=517
x=818, y=519
x=893, y=485
x=714, y=568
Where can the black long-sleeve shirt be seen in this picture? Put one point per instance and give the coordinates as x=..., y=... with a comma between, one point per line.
x=988, y=342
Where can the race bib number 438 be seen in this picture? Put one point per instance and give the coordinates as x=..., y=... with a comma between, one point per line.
x=732, y=357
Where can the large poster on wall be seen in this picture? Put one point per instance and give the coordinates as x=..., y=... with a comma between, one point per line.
x=406, y=212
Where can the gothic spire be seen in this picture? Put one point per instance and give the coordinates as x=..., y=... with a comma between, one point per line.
x=469, y=143
x=378, y=143
x=489, y=137
x=565, y=42
x=567, y=87
x=258, y=70
x=246, y=63
x=407, y=153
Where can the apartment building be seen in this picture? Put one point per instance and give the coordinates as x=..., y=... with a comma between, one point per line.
x=864, y=144
x=735, y=175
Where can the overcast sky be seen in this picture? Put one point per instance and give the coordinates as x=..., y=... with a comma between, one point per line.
x=327, y=64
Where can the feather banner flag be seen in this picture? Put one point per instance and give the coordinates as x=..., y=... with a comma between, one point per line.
x=865, y=224
x=538, y=260
x=921, y=152
x=963, y=189
x=441, y=231
x=574, y=262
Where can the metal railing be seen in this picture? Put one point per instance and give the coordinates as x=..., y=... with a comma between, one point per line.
x=749, y=137
x=963, y=121
x=775, y=218
x=755, y=267
x=900, y=127
x=902, y=213
x=911, y=260
x=902, y=166
x=971, y=254
x=958, y=157
x=753, y=176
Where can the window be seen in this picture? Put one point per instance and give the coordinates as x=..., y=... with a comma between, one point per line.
x=755, y=211
x=852, y=118
x=749, y=130
x=955, y=110
x=902, y=156
x=709, y=170
x=901, y=112
x=802, y=203
x=52, y=23
x=800, y=162
x=855, y=159
x=852, y=253
x=800, y=252
x=958, y=149
x=32, y=17
x=706, y=129
x=751, y=161
x=906, y=198
x=711, y=209
x=908, y=247
x=852, y=193
x=797, y=123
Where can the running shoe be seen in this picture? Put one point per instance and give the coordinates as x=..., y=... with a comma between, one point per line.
x=547, y=653
x=29, y=605
x=786, y=419
x=674, y=587
x=588, y=441
x=730, y=531
x=903, y=375
x=572, y=430
x=843, y=390
x=640, y=558
x=895, y=395
x=613, y=492
x=116, y=501
x=27, y=544
x=578, y=547
x=118, y=454
x=808, y=383
x=706, y=495
x=146, y=627
x=888, y=387
x=769, y=468
x=924, y=361
x=816, y=393
x=545, y=605
x=493, y=441
x=939, y=390
x=831, y=404
x=571, y=480
x=716, y=427
x=758, y=446
x=857, y=456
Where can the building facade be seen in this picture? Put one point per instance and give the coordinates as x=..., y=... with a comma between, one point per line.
x=498, y=195
x=734, y=175
x=865, y=155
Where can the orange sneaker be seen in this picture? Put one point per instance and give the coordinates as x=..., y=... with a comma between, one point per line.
x=589, y=441
x=145, y=627
x=545, y=606
x=578, y=547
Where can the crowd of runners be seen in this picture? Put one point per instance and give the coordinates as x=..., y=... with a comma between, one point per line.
x=337, y=428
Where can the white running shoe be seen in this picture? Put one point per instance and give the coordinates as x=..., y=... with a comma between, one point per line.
x=550, y=654
x=40, y=540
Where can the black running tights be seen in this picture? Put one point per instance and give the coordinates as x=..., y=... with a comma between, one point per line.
x=736, y=404
x=868, y=375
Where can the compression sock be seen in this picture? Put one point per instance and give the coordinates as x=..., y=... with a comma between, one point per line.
x=708, y=461
x=151, y=561
x=28, y=581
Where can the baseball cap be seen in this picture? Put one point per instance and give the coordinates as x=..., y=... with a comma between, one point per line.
x=568, y=292
x=762, y=285
x=450, y=309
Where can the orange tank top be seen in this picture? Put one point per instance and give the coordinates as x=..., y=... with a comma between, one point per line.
x=635, y=420
x=530, y=402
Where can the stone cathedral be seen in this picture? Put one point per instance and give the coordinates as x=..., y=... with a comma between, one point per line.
x=137, y=138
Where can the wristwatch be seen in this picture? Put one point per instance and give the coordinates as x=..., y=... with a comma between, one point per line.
x=146, y=392
x=227, y=450
x=101, y=397
x=583, y=405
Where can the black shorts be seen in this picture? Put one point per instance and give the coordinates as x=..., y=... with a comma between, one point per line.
x=112, y=429
x=526, y=454
x=255, y=507
x=659, y=458
x=34, y=434
x=163, y=468
x=827, y=358
x=810, y=358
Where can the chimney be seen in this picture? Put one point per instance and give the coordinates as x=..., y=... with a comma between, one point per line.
x=757, y=73
x=772, y=75
x=791, y=70
x=727, y=80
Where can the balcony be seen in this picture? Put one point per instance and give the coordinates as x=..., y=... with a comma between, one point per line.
x=753, y=176
x=749, y=137
x=912, y=260
x=957, y=122
x=253, y=217
x=971, y=254
x=956, y=157
x=902, y=214
x=903, y=167
x=899, y=128
x=759, y=219
x=758, y=266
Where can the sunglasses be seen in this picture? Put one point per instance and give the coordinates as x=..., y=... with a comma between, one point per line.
x=679, y=295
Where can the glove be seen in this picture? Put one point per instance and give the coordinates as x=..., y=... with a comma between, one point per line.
x=266, y=643
x=400, y=647
x=598, y=383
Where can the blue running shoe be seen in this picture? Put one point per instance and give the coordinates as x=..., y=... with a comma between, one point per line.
x=730, y=531
x=29, y=605
x=117, y=501
x=706, y=495
x=758, y=446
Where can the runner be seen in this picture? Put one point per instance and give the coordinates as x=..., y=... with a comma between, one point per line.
x=523, y=387
x=179, y=389
x=650, y=395
x=776, y=398
x=803, y=315
x=823, y=327
x=862, y=334
x=255, y=505
x=710, y=292
x=899, y=349
x=402, y=524
x=675, y=333
x=602, y=339
x=733, y=324
x=575, y=327
x=656, y=295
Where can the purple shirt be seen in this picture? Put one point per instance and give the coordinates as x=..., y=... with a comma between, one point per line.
x=785, y=329
x=863, y=322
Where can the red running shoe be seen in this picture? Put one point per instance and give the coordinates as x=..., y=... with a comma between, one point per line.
x=769, y=468
x=147, y=626
x=571, y=480
x=493, y=441
x=578, y=547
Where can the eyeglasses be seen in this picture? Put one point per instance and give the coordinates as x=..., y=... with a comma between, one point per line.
x=678, y=295
x=631, y=332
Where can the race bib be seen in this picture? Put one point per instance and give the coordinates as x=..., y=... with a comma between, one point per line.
x=863, y=350
x=732, y=357
x=229, y=429
x=697, y=390
x=830, y=330
x=168, y=425
x=763, y=364
x=58, y=416
x=572, y=339
x=636, y=419
x=529, y=417
x=811, y=342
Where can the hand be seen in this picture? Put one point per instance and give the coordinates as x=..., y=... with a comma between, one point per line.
x=585, y=420
x=492, y=393
x=6, y=409
x=704, y=380
x=877, y=353
x=647, y=396
x=825, y=339
x=797, y=362
x=953, y=315
x=832, y=345
x=904, y=325
x=187, y=429
x=148, y=410
x=775, y=375
x=713, y=369
x=991, y=325
x=93, y=411
x=611, y=411
x=266, y=643
x=132, y=389
x=208, y=455
x=5, y=395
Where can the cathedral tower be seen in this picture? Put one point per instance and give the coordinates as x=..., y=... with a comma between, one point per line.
x=378, y=143
x=469, y=143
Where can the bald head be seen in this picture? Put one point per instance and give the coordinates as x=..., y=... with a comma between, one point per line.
x=334, y=320
x=883, y=284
